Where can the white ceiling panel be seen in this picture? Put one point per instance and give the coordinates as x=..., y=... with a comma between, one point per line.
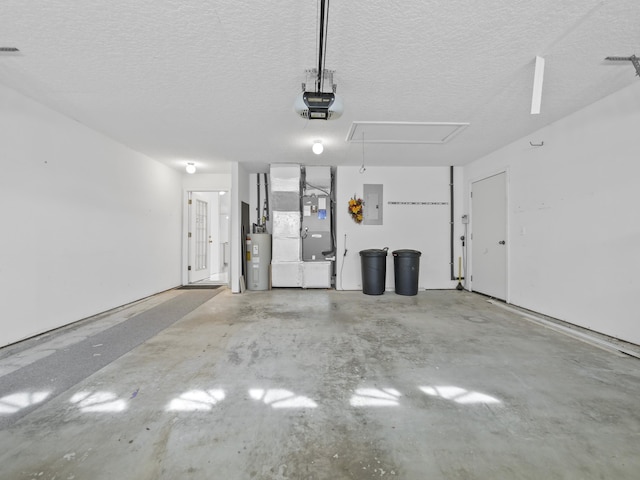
x=214, y=82
x=404, y=132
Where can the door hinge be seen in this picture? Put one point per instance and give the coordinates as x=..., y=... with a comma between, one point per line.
x=189, y=268
x=469, y=277
x=189, y=235
x=190, y=201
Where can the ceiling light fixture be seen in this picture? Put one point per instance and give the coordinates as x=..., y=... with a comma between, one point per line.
x=317, y=147
x=538, y=77
x=191, y=168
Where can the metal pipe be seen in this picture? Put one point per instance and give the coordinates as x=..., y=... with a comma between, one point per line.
x=451, y=219
x=320, y=47
x=258, y=202
x=266, y=197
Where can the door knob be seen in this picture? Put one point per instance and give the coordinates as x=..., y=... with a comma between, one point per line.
x=502, y=242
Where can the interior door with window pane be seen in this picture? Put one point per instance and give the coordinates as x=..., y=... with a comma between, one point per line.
x=199, y=238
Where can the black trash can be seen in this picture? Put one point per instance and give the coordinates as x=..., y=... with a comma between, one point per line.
x=406, y=267
x=374, y=270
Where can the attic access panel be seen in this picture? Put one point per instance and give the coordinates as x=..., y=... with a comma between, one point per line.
x=404, y=132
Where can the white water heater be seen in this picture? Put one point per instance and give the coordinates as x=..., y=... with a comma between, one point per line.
x=258, y=261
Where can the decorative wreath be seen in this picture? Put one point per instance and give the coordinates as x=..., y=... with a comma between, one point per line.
x=355, y=209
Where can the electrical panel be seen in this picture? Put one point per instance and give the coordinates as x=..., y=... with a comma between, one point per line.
x=372, y=210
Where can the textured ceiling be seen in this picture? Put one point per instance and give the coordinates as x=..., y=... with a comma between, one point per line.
x=213, y=82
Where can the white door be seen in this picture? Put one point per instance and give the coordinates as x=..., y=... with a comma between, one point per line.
x=489, y=236
x=199, y=238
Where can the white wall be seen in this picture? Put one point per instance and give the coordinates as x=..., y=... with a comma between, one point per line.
x=425, y=228
x=574, y=231
x=206, y=182
x=87, y=224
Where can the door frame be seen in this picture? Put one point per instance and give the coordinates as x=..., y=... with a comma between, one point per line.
x=196, y=275
x=469, y=244
x=185, y=232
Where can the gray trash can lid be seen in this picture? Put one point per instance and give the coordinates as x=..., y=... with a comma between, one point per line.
x=406, y=253
x=374, y=252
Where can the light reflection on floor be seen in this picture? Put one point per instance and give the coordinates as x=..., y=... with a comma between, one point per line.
x=98, y=402
x=17, y=401
x=459, y=395
x=277, y=398
x=280, y=398
x=375, y=397
x=196, y=400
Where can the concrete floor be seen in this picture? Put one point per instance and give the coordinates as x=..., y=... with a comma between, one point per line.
x=315, y=384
